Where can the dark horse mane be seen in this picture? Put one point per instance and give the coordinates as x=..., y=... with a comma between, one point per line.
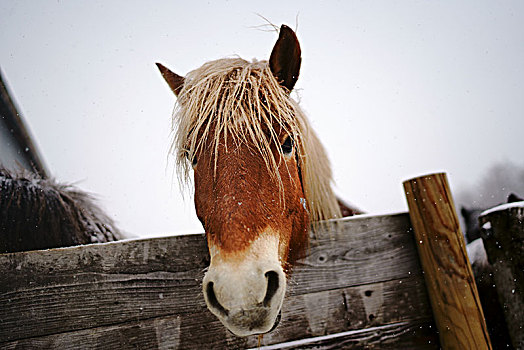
x=37, y=213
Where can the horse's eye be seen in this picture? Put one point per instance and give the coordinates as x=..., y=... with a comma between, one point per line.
x=287, y=146
x=193, y=161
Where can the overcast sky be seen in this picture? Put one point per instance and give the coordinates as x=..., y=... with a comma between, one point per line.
x=394, y=90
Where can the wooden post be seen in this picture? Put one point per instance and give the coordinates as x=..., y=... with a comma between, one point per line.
x=449, y=278
x=502, y=231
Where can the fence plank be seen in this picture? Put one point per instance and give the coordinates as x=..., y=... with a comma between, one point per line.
x=166, y=332
x=61, y=290
x=392, y=336
x=63, y=296
x=502, y=231
x=352, y=308
x=359, y=251
x=306, y=315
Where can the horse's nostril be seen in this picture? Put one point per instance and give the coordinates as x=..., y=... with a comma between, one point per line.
x=277, y=321
x=272, y=286
x=213, y=301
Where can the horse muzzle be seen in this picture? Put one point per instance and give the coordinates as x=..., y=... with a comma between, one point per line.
x=245, y=297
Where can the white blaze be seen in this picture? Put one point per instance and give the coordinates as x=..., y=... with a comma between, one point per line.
x=241, y=282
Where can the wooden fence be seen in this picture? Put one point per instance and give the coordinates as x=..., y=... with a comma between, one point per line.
x=502, y=231
x=361, y=284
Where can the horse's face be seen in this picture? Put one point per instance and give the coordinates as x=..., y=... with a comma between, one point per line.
x=250, y=231
x=255, y=225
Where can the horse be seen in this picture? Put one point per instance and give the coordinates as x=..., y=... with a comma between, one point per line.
x=38, y=213
x=261, y=178
x=471, y=218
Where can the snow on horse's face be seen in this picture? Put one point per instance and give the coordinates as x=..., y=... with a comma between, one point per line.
x=247, y=143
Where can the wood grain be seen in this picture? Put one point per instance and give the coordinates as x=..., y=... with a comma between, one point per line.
x=358, y=251
x=392, y=336
x=352, y=308
x=364, y=274
x=321, y=313
x=449, y=278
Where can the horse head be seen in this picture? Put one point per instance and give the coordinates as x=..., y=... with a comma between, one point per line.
x=260, y=178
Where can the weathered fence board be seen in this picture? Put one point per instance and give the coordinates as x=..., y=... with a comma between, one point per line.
x=391, y=336
x=147, y=293
x=352, y=308
x=363, y=250
x=502, y=231
x=307, y=315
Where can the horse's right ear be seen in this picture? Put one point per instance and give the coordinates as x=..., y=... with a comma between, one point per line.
x=174, y=80
x=285, y=58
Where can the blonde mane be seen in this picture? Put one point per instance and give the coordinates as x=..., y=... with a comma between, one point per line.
x=243, y=100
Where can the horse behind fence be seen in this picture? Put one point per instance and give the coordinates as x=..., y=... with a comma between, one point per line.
x=38, y=213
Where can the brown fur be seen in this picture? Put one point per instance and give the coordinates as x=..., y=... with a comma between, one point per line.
x=233, y=98
x=231, y=119
x=241, y=200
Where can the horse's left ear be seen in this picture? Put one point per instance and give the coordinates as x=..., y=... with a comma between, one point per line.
x=174, y=80
x=285, y=58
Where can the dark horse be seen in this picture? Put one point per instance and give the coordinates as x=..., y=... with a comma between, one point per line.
x=37, y=213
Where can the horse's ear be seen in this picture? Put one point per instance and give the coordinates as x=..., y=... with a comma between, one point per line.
x=512, y=198
x=174, y=80
x=285, y=58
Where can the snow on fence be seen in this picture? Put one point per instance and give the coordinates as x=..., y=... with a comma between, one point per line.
x=361, y=285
